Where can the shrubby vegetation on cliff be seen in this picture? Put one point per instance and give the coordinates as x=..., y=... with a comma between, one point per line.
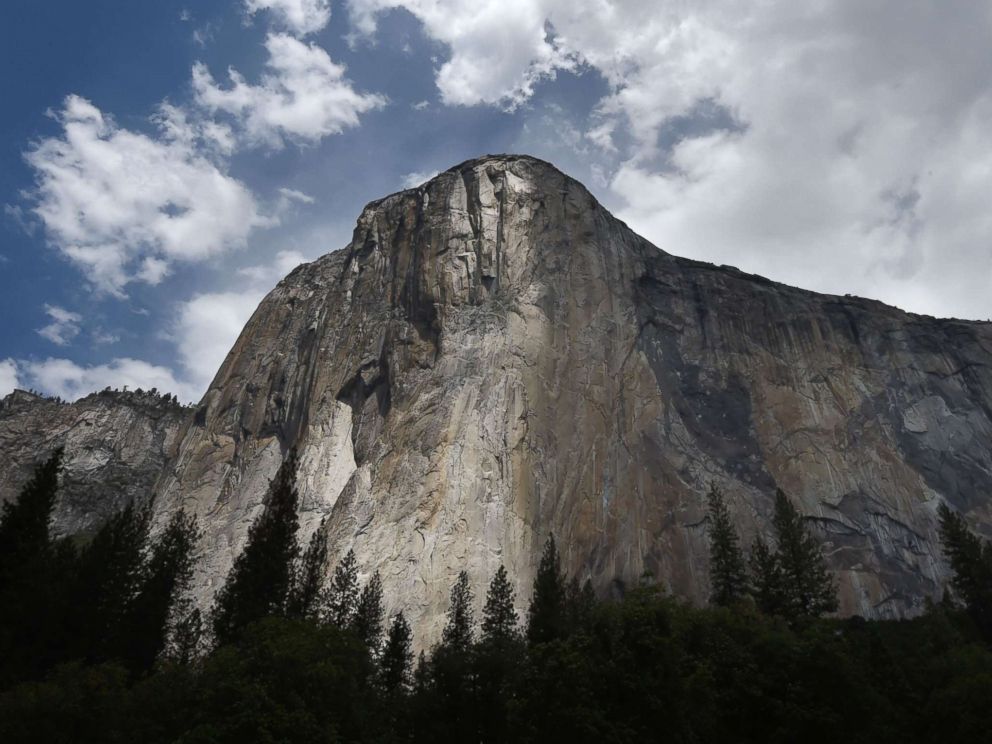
x=84, y=654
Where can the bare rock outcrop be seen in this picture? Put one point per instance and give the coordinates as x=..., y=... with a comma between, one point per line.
x=495, y=357
x=116, y=446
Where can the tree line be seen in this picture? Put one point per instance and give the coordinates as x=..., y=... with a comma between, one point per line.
x=99, y=642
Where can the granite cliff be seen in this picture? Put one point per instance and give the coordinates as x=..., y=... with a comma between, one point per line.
x=494, y=357
x=116, y=445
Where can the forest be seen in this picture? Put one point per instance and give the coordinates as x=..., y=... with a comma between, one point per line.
x=100, y=642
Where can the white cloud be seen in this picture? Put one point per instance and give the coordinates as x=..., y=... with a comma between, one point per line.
x=124, y=206
x=302, y=17
x=841, y=146
x=266, y=276
x=499, y=50
x=8, y=377
x=69, y=380
x=207, y=325
x=303, y=97
x=412, y=180
x=207, y=328
x=64, y=326
x=297, y=196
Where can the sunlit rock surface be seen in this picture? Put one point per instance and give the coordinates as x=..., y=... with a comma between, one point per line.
x=495, y=357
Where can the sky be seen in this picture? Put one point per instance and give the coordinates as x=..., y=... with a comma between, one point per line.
x=163, y=164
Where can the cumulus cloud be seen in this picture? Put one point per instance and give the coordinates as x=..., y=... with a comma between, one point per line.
x=8, y=377
x=499, y=50
x=64, y=326
x=124, y=206
x=841, y=146
x=70, y=380
x=207, y=325
x=303, y=97
x=302, y=17
x=412, y=180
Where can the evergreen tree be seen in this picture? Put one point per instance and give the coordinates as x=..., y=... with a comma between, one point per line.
x=24, y=521
x=109, y=577
x=343, y=595
x=546, y=614
x=810, y=588
x=185, y=636
x=458, y=631
x=499, y=618
x=367, y=622
x=397, y=656
x=306, y=595
x=971, y=562
x=767, y=580
x=728, y=573
x=260, y=578
x=163, y=584
x=580, y=602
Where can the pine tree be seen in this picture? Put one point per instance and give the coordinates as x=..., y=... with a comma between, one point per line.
x=38, y=620
x=343, y=594
x=546, y=614
x=808, y=583
x=580, y=603
x=306, y=595
x=185, y=635
x=24, y=521
x=499, y=618
x=367, y=622
x=260, y=578
x=728, y=573
x=109, y=577
x=767, y=580
x=458, y=632
x=397, y=656
x=971, y=562
x=163, y=584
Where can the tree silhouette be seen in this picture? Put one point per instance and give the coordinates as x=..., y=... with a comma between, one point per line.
x=499, y=618
x=728, y=572
x=367, y=622
x=306, y=596
x=343, y=593
x=546, y=614
x=971, y=562
x=458, y=631
x=397, y=656
x=260, y=578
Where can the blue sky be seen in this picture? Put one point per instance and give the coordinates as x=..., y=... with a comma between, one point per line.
x=164, y=163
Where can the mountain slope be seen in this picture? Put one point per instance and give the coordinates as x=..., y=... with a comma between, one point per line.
x=494, y=358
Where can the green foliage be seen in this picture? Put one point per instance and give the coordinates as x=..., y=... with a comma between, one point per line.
x=367, y=623
x=306, y=595
x=260, y=579
x=343, y=593
x=971, y=561
x=810, y=588
x=768, y=580
x=792, y=581
x=546, y=618
x=728, y=572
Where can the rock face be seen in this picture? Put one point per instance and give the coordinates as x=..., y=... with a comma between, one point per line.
x=495, y=357
x=116, y=446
